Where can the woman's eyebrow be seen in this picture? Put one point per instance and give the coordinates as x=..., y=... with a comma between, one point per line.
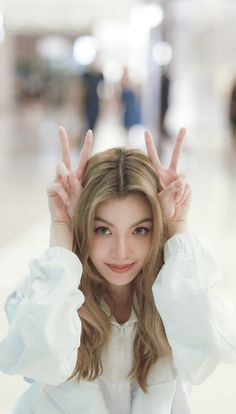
x=144, y=220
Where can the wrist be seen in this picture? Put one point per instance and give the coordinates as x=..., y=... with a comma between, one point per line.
x=61, y=234
x=176, y=227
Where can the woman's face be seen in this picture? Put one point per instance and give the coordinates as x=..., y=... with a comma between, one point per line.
x=121, y=238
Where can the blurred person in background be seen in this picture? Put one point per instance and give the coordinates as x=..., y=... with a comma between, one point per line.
x=232, y=113
x=130, y=100
x=92, y=81
x=164, y=102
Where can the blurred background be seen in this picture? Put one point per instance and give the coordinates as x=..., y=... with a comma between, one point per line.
x=118, y=67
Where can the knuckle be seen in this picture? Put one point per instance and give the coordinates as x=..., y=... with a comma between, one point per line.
x=59, y=165
x=182, y=176
x=57, y=187
x=61, y=169
x=51, y=187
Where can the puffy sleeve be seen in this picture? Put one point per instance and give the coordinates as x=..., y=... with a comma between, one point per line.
x=198, y=321
x=44, y=327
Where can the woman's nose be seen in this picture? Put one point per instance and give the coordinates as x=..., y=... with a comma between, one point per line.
x=121, y=249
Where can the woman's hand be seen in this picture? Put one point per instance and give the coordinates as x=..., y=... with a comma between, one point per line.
x=64, y=192
x=175, y=197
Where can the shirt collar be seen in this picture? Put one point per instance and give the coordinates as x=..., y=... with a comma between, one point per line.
x=133, y=317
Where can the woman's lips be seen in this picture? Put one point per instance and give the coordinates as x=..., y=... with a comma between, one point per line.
x=120, y=269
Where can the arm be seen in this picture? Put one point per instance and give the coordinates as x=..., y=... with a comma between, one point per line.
x=44, y=327
x=44, y=331
x=198, y=325
x=178, y=227
x=61, y=234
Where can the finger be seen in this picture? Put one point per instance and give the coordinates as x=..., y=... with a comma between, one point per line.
x=65, y=148
x=186, y=193
x=85, y=153
x=181, y=190
x=151, y=150
x=75, y=184
x=172, y=188
x=57, y=189
x=177, y=149
x=62, y=172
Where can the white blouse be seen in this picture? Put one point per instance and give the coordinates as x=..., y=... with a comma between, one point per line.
x=44, y=336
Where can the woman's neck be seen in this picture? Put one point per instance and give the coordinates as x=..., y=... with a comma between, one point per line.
x=119, y=299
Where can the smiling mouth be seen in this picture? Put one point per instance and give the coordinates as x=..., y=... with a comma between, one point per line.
x=120, y=269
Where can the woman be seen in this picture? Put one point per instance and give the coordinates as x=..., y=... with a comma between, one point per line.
x=119, y=313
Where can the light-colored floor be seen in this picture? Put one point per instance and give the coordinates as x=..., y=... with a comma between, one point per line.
x=29, y=150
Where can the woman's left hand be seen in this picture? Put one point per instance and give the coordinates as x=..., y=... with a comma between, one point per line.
x=175, y=197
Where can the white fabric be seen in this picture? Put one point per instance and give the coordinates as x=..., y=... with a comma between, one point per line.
x=44, y=335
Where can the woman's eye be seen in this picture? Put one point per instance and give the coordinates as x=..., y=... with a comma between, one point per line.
x=141, y=231
x=102, y=231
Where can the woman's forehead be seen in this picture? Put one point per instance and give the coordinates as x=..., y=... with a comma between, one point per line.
x=130, y=204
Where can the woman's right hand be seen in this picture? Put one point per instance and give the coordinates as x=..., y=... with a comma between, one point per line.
x=64, y=192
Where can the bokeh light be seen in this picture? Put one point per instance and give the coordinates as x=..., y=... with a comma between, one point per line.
x=85, y=50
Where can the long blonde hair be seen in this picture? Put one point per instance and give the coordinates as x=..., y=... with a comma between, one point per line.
x=115, y=173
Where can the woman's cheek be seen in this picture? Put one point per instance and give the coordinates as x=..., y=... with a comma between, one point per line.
x=98, y=247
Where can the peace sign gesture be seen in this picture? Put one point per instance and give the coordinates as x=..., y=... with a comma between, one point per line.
x=175, y=196
x=64, y=192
